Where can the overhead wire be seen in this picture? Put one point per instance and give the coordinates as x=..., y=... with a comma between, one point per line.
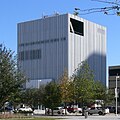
x=111, y=10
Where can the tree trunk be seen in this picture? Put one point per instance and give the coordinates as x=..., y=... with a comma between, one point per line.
x=52, y=112
x=65, y=109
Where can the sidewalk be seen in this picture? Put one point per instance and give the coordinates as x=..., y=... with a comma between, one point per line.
x=92, y=117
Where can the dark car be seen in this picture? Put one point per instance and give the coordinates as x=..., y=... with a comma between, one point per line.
x=112, y=109
x=6, y=109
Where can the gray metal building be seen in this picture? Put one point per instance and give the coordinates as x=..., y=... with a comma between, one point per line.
x=48, y=46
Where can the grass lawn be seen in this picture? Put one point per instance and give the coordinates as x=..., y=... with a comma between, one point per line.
x=23, y=117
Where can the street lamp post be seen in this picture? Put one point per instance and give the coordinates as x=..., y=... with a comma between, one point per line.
x=116, y=94
x=39, y=83
x=38, y=88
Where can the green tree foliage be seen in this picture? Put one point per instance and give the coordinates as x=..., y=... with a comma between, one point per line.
x=52, y=96
x=33, y=96
x=109, y=98
x=86, y=89
x=39, y=97
x=83, y=83
x=102, y=93
x=99, y=90
x=28, y=96
x=11, y=79
x=66, y=88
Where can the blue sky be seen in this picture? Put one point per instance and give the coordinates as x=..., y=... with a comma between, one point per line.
x=15, y=11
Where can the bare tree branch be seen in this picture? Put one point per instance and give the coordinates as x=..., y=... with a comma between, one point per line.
x=108, y=2
x=112, y=9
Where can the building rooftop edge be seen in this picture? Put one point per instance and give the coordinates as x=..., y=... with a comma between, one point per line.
x=114, y=66
x=44, y=16
x=58, y=14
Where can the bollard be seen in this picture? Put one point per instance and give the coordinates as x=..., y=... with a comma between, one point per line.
x=86, y=114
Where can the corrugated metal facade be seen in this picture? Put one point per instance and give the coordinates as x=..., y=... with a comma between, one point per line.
x=90, y=47
x=46, y=47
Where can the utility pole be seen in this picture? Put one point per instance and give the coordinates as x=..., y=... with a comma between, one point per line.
x=116, y=94
x=38, y=89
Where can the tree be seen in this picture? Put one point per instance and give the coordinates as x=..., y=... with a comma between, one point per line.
x=87, y=90
x=102, y=93
x=11, y=79
x=32, y=97
x=28, y=97
x=83, y=83
x=39, y=97
x=52, y=96
x=109, y=97
x=112, y=9
x=99, y=90
x=66, y=89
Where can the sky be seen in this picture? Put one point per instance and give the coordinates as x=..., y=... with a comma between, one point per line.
x=16, y=11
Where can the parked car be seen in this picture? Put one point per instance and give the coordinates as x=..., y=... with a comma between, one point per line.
x=74, y=109
x=96, y=110
x=79, y=110
x=56, y=111
x=112, y=109
x=6, y=109
x=25, y=109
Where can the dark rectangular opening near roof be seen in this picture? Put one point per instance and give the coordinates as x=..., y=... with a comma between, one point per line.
x=77, y=27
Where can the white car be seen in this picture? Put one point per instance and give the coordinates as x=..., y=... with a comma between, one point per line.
x=56, y=111
x=25, y=109
x=79, y=110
